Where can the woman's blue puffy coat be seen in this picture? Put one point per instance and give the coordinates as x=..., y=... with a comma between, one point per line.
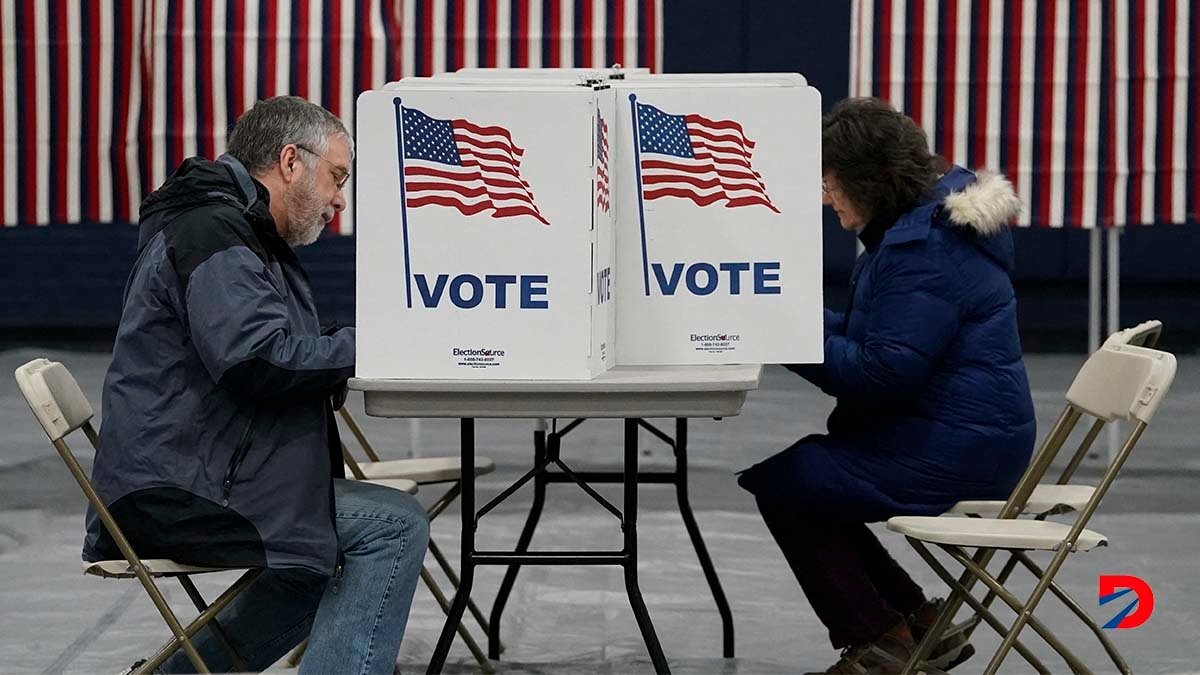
x=933, y=404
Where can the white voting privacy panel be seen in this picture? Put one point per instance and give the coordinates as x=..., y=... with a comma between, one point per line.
x=482, y=252
x=718, y=221
x=702, y=195
x=706, y=273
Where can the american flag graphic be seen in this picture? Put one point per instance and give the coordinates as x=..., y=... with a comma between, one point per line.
x=1090, y=107
x=466, y=166
x=603, y=197
x=93, y=115
x=696, y=158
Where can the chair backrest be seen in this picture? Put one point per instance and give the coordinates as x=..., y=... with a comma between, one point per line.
x=1145, y=334
x=1119, y=381
x=1123, y=382
x=54, y=396
x=61, y=407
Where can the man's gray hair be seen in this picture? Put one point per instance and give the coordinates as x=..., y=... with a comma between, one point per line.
x=260, y=134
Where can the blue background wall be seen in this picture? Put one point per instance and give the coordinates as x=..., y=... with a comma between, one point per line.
x=64, y=283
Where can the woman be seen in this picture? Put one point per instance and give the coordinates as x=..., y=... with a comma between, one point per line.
x=933, y=404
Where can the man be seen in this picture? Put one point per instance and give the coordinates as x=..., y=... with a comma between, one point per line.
x=218, y=444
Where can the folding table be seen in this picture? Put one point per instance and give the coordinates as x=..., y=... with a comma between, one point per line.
x=630, y=393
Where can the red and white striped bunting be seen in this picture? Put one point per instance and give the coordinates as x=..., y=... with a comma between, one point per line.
x=109, y=96
x=1089, y=106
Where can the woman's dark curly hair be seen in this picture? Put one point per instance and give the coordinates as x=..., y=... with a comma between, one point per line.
x=879, y=157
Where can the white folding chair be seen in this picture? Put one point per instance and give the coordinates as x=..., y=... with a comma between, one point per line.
x=1118, y=382
x=61, y=408
x=1061, y=496
x=423, y=471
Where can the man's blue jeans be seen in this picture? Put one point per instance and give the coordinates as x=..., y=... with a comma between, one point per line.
x=354, y=624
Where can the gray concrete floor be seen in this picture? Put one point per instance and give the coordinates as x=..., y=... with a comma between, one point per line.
x=577, y=620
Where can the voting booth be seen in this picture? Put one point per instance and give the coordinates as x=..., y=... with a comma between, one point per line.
x=704, y=226
x=718, y=198
x=484, y=242
x=710, y=268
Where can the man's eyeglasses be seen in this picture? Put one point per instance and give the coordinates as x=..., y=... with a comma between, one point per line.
x=338, y=171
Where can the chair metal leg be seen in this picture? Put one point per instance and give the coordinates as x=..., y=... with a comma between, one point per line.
x=440, y=597
x=990, y=597
x=1011, y=563
x=689, y=521
x=531, y=521
x=1065, y=598
x=182, y=638
x=1079, y=612
x=1024, y=614
x=980, y=610
x=444, y=501
x=958, y=592
x=201, y=605
x=1025, y=617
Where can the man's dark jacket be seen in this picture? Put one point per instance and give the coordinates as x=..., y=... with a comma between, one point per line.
x=215, y=443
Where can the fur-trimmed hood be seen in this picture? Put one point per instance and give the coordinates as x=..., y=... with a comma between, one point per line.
x=987, y=205
x=976, y=207
x=979, y=207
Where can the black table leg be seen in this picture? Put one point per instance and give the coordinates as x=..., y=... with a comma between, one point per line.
x=629, y=525
x=467, y=565
x=531, y=521
x=689, y=520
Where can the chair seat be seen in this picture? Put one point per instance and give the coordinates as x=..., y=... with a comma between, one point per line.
x=424, y=469
x=402, y=484
x=1047, y=499
x=157, y=567
x=1037, y=535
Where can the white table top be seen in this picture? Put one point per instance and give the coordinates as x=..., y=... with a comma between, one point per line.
x=625, y=391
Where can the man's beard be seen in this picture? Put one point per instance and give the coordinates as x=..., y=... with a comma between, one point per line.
x=304, y=213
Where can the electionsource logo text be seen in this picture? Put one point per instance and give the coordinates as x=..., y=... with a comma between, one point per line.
x=458, y=351
x=716, y=337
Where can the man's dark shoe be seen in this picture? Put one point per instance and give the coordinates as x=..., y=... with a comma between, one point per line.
x=953, y=648
x=885, y=656
x=132, y=669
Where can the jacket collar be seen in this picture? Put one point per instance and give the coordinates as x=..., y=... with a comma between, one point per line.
x=256, y=201
x=914, y=225
x=246, y=185
x=873, y=232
